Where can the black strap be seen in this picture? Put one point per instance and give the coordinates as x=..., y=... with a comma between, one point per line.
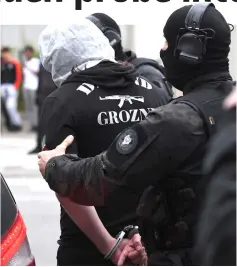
x=195, y=15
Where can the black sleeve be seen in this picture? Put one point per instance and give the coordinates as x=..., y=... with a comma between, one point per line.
x=140, y=156
x=216, y=236
x=56, y=124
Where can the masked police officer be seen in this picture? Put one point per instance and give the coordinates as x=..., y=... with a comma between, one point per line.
x=146, y=67
x=163, y=153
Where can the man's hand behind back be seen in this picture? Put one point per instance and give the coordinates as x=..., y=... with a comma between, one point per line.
x=130, y=252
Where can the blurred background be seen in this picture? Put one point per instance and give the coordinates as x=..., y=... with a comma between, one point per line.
x=36, y=202
x=137, y=38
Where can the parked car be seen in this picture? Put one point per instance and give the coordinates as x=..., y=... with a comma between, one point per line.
x=15, y=248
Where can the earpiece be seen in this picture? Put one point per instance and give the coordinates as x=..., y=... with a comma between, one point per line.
x=113, y=37
x=191, y=41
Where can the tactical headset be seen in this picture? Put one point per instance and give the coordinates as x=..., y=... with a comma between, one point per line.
x=113, y=37
x=192, y=40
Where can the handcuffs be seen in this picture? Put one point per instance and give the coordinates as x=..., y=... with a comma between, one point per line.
x=128, y=232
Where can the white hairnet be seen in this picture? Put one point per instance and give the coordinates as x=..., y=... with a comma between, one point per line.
x=66, y=46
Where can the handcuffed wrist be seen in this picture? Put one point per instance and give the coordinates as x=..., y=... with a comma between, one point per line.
x=127, y=232
x=118, y=240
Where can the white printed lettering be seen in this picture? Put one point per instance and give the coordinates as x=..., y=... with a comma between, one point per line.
x=99, y=119
x=143, y=113
x=121, y=117
x=134, y=114
x=113, y=117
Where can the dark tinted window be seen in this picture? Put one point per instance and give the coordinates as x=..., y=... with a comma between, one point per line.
x=8, y=208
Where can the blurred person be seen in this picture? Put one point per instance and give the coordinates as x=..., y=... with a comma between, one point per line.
x=11, y=78
x=216, y=236
x=96, y=99
x=146, y=67
x=161, y=157
x=46, y=87
x=30, y=85
x=5, y=114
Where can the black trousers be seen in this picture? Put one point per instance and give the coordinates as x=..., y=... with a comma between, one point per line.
x=74, y=256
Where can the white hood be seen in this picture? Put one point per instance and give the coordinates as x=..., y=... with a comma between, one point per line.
x=63, y=47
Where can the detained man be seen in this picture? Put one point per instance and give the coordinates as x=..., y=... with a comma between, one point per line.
x=95, y=100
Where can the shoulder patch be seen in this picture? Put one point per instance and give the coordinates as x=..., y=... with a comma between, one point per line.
x=127, y=142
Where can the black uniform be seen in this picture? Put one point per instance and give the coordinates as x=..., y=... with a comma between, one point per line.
x=94, y=106
x=165, y=151
x=216, y=236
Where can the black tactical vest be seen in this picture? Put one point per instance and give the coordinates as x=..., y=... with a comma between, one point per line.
x=171, y=207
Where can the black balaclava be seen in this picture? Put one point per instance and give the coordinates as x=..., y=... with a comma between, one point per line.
x=216, y=57
x=108, y=22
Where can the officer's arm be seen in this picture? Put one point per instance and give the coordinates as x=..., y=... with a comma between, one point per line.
x=140, y=156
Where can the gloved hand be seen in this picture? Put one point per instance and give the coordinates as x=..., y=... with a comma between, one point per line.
x=45, y=156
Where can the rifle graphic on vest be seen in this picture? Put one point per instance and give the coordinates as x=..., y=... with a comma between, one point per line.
x=123, y=98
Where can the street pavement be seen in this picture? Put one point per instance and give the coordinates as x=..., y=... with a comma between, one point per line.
x=36, y=202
